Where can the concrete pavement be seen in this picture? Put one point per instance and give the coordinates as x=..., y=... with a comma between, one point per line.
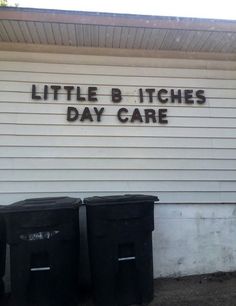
x=217, y=289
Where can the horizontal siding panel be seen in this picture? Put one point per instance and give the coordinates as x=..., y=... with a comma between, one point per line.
x=116, y=163
x=91, y=60
x=198, y=197
x=105, y=141
x=116, y=70
x=118, y=152
x=115, y=175
x=88, y=130
x=116, y=80
x=117, y=186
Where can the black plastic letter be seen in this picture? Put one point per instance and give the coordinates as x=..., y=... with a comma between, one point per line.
x=160, y=93
x=69, y=90
x=72, y=113
x=120, y=111
x=162, y=114
x=200, y=94
x=92, y=94
x=116, y=95
x=34, y=95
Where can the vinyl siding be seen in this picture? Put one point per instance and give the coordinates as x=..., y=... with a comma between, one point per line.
x=190, y=159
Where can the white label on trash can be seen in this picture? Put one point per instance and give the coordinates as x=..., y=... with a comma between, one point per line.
x=40, y=269
x=38, y=235
x=126, y=258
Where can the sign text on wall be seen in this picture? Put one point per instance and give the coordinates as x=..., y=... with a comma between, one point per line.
x=163, y=96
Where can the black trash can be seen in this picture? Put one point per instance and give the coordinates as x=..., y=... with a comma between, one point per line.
x=2, y=251
x=120, y=246
x=43, y=235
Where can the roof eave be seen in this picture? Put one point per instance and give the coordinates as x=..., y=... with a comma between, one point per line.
x=97, y=18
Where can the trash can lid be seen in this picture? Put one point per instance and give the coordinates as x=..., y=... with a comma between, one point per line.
x=120, y=199
x=49, y=203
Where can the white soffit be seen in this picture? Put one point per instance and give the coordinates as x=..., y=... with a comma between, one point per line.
x=103, y=30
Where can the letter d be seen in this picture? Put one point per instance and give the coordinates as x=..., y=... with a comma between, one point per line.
x=72, y=114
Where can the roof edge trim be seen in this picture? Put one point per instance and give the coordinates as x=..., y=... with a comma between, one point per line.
x=96, y=18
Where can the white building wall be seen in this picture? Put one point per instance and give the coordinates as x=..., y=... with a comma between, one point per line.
x=194, y=239
x=189, y=160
